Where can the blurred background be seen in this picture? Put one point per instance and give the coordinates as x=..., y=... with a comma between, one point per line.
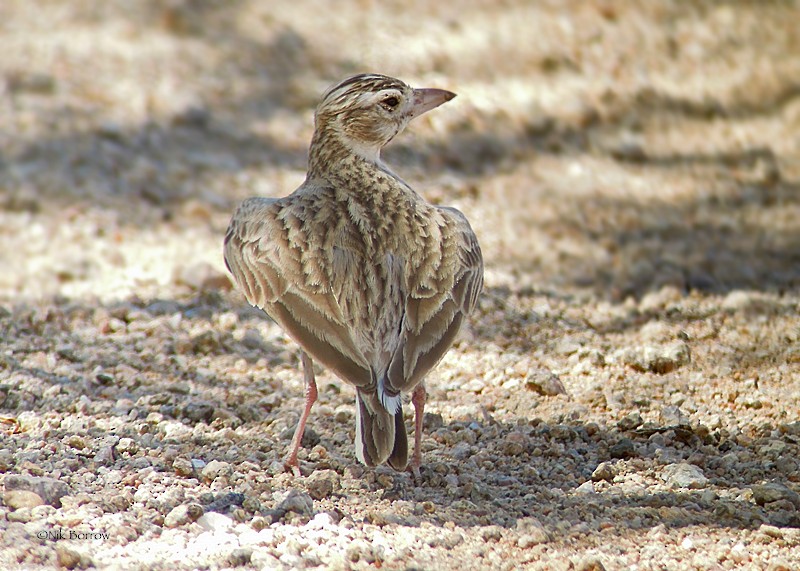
x=631, y=169
x=615, y=148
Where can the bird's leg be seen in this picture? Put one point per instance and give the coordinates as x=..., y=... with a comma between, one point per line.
x=418, y=398
x=311, y=397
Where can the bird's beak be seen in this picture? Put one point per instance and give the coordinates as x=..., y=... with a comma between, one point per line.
x=427, y=99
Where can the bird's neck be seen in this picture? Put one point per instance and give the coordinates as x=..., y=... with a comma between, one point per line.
x=341, y=162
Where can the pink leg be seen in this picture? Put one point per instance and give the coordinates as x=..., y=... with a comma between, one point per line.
x=418, y=398
x=311, y=397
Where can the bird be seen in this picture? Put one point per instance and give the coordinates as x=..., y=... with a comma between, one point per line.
x=370, y=279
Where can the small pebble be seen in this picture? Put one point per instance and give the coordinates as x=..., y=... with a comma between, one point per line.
x=492, y=533
x=49, y=490
x=183, y=466
x=622, y=449
x=528, y=540
x=240, y=557
x=295, y=501
x=633, y=420
x=183, y=514
x=514, y=444
x=216, y=469
x=67, y=557
x=213, y=521
x=322, y=483
x=590, y=563
x=773, y=492
x=126, y=445
x=16, y=499
x=604, y=471
x=684, y=475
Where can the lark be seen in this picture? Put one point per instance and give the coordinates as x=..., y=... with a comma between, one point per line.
x=367, y=277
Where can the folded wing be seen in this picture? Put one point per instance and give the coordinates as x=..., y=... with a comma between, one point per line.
x=268, y=259
x=442, y=291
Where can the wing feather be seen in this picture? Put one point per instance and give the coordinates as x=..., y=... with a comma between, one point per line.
x=441, y=293
x=268, y=267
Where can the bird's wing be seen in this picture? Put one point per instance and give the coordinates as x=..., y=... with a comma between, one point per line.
x=279, y=267
x=444, y=288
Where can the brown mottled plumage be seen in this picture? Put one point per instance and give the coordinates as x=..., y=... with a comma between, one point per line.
x=371, y=280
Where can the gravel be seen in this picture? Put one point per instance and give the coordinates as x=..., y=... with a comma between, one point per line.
x=624, y=398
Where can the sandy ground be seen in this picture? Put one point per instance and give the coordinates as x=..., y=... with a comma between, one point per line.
x=625, y=398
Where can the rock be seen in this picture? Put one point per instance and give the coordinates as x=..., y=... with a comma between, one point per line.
x=200, y=411
x=66, y=557
x=322, y=483
x=240, y=557
x=514, y=444
x=673, y=416
x=183, y=514
x=16, y=499
x=104, y=456
x=382, y=518
x=683, y=475
x=310, y=436
x=343, y=413
x=432, y=421
x=202, y=277
x=452, y=540
x=116, y=503
x=585, y=489
x=658, y=300
x=49, y=489
x=224, y=502
x=198, y=464
x=528, y=540
x=177, y=516
x=790, y=428
x=492, y=533
x=633, y=420
x=590, y=563
x=544, y=382
x=127, y=445
x=204, y=343
x=771, y=531
x=749, y=301
x=294, y=501
x=658, y=359
x=213, y=521
x=604, y=471
x=215, y=469
x=774, y=492
x=183, y=466
x=622, y=449
x=629, y=149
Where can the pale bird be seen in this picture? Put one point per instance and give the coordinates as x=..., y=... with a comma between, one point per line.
x=366, y=276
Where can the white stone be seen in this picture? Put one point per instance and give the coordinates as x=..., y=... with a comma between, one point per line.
x=214, y=521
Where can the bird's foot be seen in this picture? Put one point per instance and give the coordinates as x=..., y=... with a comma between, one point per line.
x=292, y=466
x=413, y=468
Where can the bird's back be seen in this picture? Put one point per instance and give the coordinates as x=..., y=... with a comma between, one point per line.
x=341, y=271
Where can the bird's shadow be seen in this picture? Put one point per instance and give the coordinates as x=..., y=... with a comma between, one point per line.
x=548, y=483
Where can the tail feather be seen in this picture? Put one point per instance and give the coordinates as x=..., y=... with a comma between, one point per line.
x=399, y=457
x=380, y=434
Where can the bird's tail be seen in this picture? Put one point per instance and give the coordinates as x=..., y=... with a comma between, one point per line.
x=380, y=434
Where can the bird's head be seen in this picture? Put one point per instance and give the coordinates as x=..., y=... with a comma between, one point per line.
x=366, y=111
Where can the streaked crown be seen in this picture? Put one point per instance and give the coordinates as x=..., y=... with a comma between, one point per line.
x=366, y=111
x=349, y=92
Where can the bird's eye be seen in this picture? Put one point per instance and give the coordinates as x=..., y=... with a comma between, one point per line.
x=390, y=102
